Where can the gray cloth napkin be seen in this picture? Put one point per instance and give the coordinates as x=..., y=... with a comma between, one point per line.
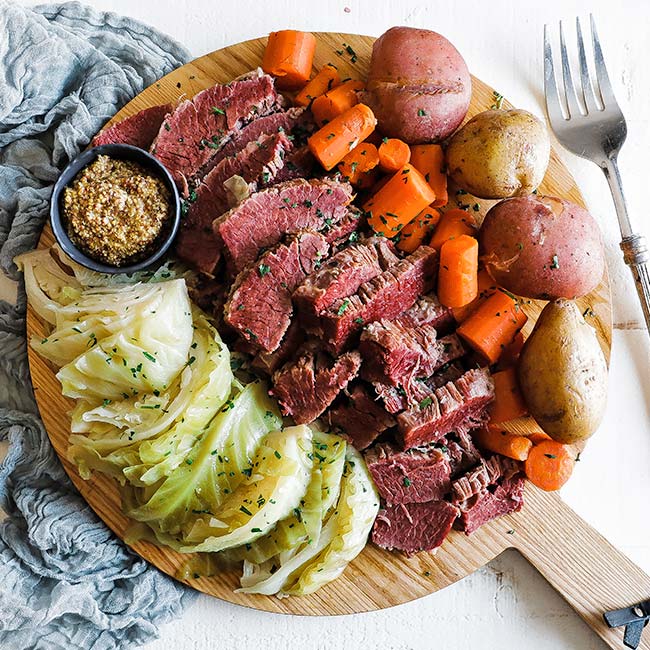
x=65, y=580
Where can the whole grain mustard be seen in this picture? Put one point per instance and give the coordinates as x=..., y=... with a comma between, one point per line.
x=115, y=209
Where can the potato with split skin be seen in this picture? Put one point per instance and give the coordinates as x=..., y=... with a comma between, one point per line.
x=563, y=374
x=499, y=154
x=542, y=247
x=418, y=87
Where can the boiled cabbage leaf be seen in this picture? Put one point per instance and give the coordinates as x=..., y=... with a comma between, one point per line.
x=219, y=461
x=145, y=437
x=343, y=537
x=280, y=476
x=305, y=522
x=123, y=342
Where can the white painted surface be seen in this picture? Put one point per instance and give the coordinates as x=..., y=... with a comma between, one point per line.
x=506, y=604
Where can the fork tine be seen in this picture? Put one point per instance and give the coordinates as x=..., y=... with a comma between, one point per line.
x=588, y=97
x=604, y=85
x=573, y=107
x=553, y=106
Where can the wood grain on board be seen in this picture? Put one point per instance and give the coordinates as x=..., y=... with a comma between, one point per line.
x=590, y=574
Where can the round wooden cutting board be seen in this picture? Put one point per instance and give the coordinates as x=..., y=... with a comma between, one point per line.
x=589, y=573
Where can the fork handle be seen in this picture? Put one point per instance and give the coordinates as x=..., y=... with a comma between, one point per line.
x=636, y=255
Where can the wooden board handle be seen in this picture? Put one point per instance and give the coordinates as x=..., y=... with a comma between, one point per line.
x=579, y=563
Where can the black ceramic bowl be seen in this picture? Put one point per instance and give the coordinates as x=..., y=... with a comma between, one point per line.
x=121, y=152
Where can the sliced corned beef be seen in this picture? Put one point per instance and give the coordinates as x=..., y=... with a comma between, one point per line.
x=278, y=122
x=396, y=355
x=299, y=163
x=346, y=230
x=384, y=296
x=457, y=404
x=265, y=217
x=338, y=277
x=190, y=137
x=487, y=505
x=307, y=386
x=259, y=305
x=414, y=527
x=359, y=418
x=427, y=310
x=413, y=476
x=269, y=362
x=205, y=291
x=138, y=130
x=412, y=392
x=461, y=451
x=258, y=164
x=486, y=473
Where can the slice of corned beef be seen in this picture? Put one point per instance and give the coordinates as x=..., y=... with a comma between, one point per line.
x=191, y=136
x=346, y=230
x=265, y=217
x=257, y=164
x=359, y=418
x=427, y=310
x=412, y=391
x=487, y=505
x=206, y=291
x=461, y=451
x=269, y=362
x=413, y=476
x=278, y=122
x=259, y=305
x=338, y=277
x=299, y=163
x=413, y=527
x=458, y=404
x=486, y=473
x=138, y=130
x=385, y=296
x=307, y=386
x=396, y=355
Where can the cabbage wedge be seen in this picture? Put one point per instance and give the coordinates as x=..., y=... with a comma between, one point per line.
x=343, y=537
x=281, y=472
x=305, y=522
x=219, y=461
x=145, y=437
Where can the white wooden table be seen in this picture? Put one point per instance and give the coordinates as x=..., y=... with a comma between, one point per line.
x=506, y=604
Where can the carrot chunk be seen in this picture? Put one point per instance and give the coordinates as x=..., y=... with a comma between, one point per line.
x=393, y=155
x=492, y=325
x=288, y=56
x=335, y=140
x=486, y=287
x=429, y=159
x=359, y=162
x=398, y=202
x=501, y=442
x=453, y=223
x=336, y=101
x=413, y=235
x=458, y=274
x=508, y=403
x=549, y=465
x=325, y=80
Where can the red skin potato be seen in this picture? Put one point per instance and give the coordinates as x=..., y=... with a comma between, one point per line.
x=542, y=247
x=419, y=87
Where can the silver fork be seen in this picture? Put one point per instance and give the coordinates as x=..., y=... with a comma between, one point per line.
x=595, y=131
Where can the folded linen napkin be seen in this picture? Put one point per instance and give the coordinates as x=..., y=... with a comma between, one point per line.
x=65, y=580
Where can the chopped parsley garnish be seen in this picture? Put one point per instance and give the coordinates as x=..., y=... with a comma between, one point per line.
x=421, y=112
x=277, y=454
x=556, y=262
x=218, y=111
x=246, y=511
x=344, y=305
x=407, y=481
x=263, y=269
x=427, y=401
x=149, y=356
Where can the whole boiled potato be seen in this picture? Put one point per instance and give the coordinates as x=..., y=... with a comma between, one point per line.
x=418, y=85
x=563, y=374
x=542, y=247
x=499, y=154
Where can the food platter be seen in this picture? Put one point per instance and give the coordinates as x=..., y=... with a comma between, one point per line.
x=593, y=577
